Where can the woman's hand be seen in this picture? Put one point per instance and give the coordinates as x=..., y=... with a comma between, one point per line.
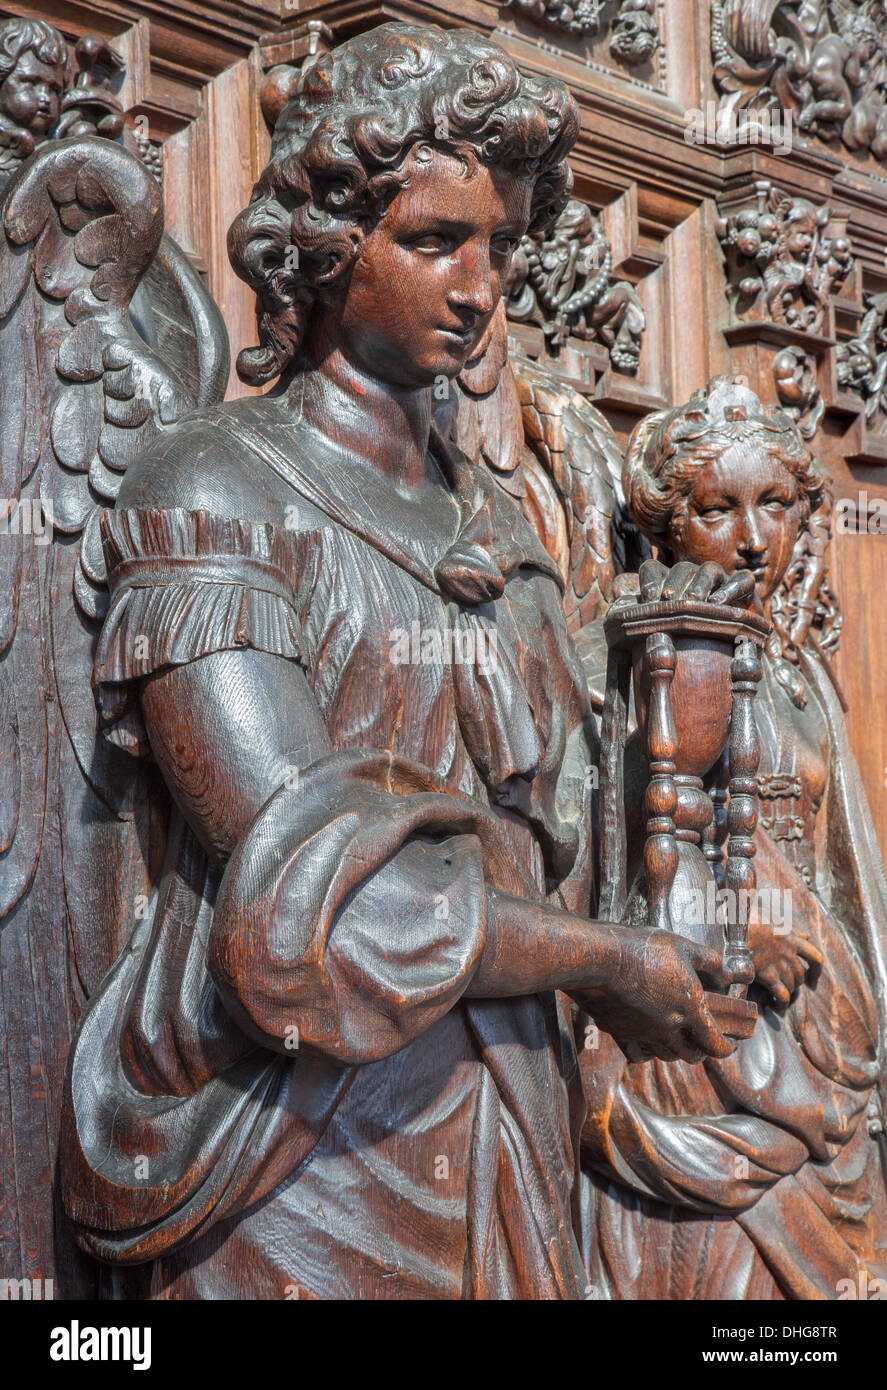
x=653, y=1002
x=707, y=582
x=783, y=960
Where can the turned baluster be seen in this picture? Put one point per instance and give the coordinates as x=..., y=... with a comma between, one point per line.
x=660, y=850
x=742, y=815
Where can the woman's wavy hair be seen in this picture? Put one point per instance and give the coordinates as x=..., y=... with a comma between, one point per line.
x=340, y=148
x=665, y=453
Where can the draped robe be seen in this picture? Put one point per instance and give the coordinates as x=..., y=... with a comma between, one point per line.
x=762, y=1176
x=281, y=1089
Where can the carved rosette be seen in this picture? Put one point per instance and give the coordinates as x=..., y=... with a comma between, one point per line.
x=821, y=63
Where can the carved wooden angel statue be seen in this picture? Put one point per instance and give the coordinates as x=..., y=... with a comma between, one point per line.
x=88, y=375
x=330, y=1061
x=760, y=1175
x=39, y=101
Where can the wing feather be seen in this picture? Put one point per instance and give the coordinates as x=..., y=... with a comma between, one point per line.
x=81, y=394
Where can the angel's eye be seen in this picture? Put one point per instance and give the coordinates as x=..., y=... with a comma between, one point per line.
x=504, y=245
x=430, y=244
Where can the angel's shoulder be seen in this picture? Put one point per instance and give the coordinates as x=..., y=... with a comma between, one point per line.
x=199, y=464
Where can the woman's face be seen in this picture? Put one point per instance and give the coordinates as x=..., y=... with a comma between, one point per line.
x=431, y=272
x=744, y=511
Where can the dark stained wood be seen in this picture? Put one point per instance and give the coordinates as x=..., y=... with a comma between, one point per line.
x=731, y=496
x=83, y=386
x=304, y=698
x=271, y=718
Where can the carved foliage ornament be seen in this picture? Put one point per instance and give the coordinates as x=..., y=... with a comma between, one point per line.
x=822, y=61
x=561, y=281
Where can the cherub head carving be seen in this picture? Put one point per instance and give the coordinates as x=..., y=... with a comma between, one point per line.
x=385, y=143
x=635, y=36
x=729, y=480
x=33, y=59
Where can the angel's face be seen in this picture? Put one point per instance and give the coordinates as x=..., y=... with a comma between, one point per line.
x=744, y=512
x=30, y=94
x=431, y=272
x=799, y=237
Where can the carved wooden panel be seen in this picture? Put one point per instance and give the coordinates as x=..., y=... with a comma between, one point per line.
x=639, y=441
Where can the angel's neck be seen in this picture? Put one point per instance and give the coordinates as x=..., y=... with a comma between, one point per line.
x=386, y=426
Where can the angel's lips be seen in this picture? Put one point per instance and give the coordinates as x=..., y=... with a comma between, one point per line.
x=457, y=334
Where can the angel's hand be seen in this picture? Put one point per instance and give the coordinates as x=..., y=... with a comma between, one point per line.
x=653, y=1002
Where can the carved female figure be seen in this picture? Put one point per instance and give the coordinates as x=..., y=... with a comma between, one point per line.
x=759, y=1175
x=330, y=1061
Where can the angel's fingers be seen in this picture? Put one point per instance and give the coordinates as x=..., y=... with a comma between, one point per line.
x=679, y=580
x=767, y=979
x=703, y=1033
x=707, y=962
x=810, y=952
x=624, y=584
x=687, y=1050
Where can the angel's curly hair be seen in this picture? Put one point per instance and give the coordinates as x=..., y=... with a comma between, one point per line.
x=668, y=449
x=18, y=36
x=341, y=149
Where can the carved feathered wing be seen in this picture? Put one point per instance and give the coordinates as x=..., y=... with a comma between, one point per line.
x=106, y=336
x=577, y=449
x=82, y=392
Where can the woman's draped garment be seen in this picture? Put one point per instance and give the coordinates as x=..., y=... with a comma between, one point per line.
x=762, y=1176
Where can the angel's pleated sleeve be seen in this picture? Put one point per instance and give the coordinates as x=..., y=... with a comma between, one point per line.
x=185, y=584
